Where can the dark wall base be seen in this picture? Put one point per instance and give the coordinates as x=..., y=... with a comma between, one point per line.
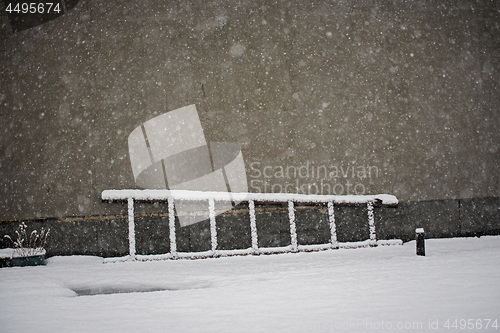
x=440, y=219
x=108, y=237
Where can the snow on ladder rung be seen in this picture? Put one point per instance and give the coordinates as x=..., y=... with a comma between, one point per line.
x=213, y=226
x=131, y=228
x=293, y=229
x=371, y=223
x=171, y=226
x=333, y=227
x=253, y=226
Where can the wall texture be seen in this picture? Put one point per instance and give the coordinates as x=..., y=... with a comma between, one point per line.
x=364, y=96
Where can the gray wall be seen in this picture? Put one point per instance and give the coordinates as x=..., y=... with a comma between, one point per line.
x=409, y=89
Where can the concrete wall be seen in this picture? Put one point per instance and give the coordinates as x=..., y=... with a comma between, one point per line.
x=409, y=90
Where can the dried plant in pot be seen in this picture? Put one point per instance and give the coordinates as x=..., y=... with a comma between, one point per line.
x=28, y=248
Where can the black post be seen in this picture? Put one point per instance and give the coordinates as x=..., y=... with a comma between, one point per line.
x=420, y=236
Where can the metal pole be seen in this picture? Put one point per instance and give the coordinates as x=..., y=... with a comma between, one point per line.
x=420, y=237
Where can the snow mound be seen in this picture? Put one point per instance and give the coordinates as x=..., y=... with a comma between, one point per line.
x=74, y=260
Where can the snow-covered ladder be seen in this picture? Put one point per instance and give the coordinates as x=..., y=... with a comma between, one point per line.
x=170, y=195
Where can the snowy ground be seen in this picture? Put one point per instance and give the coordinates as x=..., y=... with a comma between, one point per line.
x=357, y=290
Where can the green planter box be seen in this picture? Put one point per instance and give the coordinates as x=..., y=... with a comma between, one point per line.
x=12, y=261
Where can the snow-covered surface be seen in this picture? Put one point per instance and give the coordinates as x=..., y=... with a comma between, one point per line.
x=10, y=253
x=363, y=290
x=7, y=253
x=419, y=230
x=145, y=195
x=252, y=250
